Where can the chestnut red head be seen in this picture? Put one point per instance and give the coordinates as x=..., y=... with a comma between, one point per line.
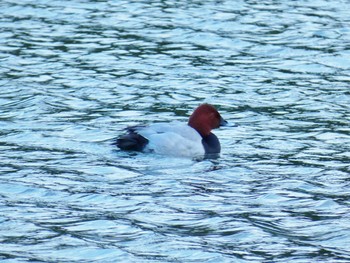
x=205, y=118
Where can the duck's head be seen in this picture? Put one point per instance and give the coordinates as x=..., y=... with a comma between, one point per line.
x=205, y=118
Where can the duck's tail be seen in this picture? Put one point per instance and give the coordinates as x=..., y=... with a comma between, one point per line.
x=131, y=141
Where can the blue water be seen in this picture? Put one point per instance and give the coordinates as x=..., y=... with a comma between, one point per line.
x=73, y=74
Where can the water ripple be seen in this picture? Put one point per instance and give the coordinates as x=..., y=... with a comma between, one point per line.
x=75, y=73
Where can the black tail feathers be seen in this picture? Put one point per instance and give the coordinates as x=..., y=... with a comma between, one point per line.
x=131, y=142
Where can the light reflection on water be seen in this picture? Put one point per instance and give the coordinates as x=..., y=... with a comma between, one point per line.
x=74, y=74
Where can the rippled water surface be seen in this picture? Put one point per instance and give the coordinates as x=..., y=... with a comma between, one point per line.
x=73, y=74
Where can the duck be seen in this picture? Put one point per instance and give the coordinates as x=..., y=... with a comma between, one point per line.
x=180, y=139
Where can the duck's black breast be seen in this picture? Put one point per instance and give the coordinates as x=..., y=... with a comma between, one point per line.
x=211, y=144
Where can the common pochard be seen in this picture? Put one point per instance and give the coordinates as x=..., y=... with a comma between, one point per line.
x=192, y=139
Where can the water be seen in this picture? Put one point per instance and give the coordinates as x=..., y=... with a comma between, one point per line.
x=75, y=73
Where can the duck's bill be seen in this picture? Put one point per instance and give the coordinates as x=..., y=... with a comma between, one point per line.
x=223, y=122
